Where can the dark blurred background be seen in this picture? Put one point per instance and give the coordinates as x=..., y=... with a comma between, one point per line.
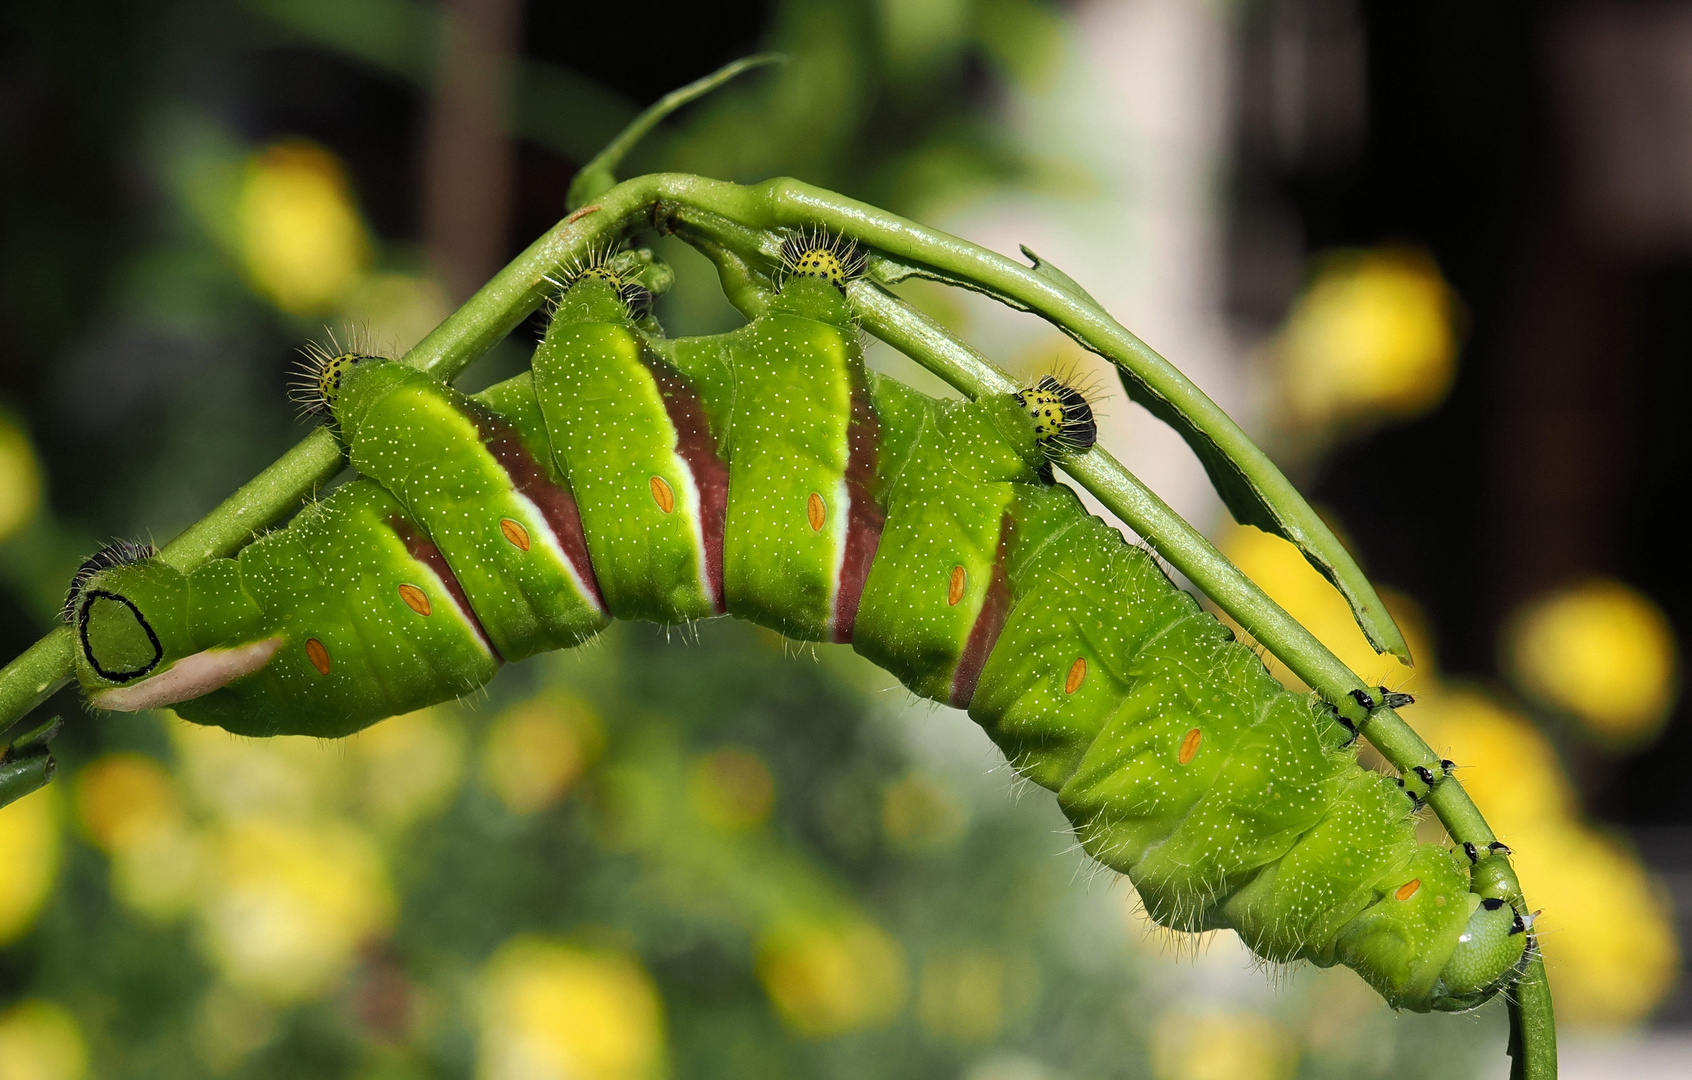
x=1484, y=209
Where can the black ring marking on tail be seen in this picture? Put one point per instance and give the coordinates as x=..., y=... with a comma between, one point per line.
x=88, y=599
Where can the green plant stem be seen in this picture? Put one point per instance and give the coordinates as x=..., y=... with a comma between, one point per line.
x=599, y=175
x=747, y=217
x=35, y=675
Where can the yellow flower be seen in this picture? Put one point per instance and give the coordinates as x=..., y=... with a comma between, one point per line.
x=1371, y=336
x=551, y=1011
x=30, y=839
x=830, y=979
x=1219, y=1046
x=1505, y=763
x=410, y=766
x=1606, y=931
x=537, y=749
x=129, y=807
x=233, y=776
x=1598, y=650
x=287, y=905
x=1283, y=572
x=39, y=1040
x=20, y=480
x=301, y=237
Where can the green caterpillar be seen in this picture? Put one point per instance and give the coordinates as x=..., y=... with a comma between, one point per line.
x=765, y=473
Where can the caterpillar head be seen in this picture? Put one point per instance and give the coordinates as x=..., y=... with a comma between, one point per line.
x=129, y=613
x=815, y=267
x=820, y=255
x=602, y=286
x=1487, y=955
x=323, y=374
x=1063, y=418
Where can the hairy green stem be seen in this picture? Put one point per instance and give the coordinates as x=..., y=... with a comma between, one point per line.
x=743, y=221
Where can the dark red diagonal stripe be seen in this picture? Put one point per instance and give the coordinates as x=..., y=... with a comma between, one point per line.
x=531, y=479
x=988, y=624
x=865, y=517
x=424, y=551
x=698, y=451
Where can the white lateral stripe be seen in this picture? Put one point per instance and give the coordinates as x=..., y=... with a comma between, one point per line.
x=467, y=616
x=539, y=526
x=839, y=524
x=690, y=505
x=190, y=677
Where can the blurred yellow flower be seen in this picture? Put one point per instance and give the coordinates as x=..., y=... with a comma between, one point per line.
x=233, y=776
x=1284, y=573
x=20, y=480
x=1222, y=1046
x=409, y=766
x=1506, y=764
x=830, y=979
x=129, y=807
x=40, y=1040
x=968, y=994
x=122, y=796
x=287, y=905
x=29, y=836
x=1607, y=930
x=537, y=749
x=731, y=788
x=921, y=812
x=301, y=237
x=1371, y=336
x=550, y=1011
x=1600, y=651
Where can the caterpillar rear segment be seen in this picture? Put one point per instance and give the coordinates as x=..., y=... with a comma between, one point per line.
x=765, y=473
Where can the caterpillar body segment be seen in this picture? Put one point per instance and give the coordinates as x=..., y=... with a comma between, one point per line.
x=629, y=436
x=467, y=479
x=789, y=402
x=348, y=614
x=937, y=595
x=940, y=550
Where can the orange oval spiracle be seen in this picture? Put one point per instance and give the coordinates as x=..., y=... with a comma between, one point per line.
x=318, y=655
x=1408, y=889
x=1077, y=672
x=662, y=495
x=1189, y=746
x=415, y=599
x=817, y=511
x=955, y=591
x=515, y=533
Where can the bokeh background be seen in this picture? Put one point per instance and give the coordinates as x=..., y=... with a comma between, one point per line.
x=1436, y=256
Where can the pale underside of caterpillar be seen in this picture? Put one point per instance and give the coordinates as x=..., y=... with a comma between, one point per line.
x=765, y=474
